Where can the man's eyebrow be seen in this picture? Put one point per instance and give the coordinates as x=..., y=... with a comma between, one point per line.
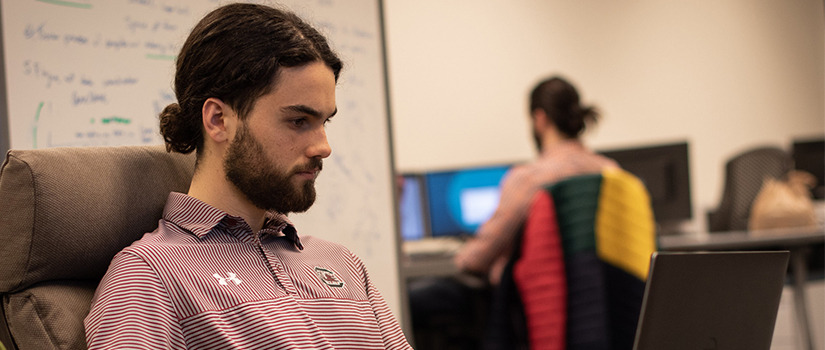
x=309, y=110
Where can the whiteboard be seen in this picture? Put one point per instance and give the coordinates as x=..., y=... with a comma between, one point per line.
x=98, y=72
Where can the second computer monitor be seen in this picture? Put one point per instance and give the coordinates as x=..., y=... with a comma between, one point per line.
x=412, y=208
x=809, y=156
x=665, y=171
x=459, y=201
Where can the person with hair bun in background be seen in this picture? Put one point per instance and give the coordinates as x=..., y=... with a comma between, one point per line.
x=558, y=119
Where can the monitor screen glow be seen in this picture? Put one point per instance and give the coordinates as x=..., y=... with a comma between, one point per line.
x=478, y=204
x=411, y=208
x=459, y=201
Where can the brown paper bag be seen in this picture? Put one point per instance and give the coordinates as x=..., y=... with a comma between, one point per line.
x=782, y=204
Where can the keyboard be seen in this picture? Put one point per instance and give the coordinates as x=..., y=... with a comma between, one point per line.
x=432, y=247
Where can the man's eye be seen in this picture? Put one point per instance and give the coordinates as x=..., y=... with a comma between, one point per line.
x=328, y=120
x=299, y=122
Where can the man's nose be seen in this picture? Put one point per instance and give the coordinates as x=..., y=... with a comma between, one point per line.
x=320, y=146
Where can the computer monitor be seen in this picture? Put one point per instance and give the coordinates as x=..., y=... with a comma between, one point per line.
x=412, y=208
x=809, y=156
x=459, y=201
x=665, y=172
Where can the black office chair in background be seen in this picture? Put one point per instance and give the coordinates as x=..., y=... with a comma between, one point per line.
x=744, y=175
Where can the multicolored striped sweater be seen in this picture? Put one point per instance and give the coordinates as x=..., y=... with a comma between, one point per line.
x=583, y=260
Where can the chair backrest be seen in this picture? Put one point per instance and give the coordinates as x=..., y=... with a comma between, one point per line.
x=64, y=213
x=744, y=175
x=584, y=257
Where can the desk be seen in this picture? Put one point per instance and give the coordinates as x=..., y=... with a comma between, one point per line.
x=798, y=241
x=784, y=239
x=791, y=239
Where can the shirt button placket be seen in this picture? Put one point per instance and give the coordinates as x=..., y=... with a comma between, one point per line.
x=277, y=270
x=268, y=263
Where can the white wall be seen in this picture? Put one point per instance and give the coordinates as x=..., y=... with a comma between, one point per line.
x=724, y=75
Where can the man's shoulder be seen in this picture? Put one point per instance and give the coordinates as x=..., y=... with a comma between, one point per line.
x=316, y=243
x=526, y=174
x=336, y=251
x=521, y=171
x=165, y=235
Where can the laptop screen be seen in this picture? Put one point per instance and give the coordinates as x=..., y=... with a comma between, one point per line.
x=711, y=300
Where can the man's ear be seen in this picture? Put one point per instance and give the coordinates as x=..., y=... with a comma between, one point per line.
x=216, y=118
x=539, y=119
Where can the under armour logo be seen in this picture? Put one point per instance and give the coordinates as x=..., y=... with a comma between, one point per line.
x=230, y=277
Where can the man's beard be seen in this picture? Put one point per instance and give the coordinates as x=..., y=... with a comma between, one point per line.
x=263, y=183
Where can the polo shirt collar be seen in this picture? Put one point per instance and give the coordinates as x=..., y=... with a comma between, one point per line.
x=200, y=218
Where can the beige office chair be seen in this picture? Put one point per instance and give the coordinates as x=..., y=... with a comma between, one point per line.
x=64, y=213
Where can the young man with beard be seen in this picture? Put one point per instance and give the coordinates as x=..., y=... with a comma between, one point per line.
x=226, y=269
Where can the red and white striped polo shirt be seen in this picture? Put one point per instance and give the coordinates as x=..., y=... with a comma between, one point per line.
x=203, y=280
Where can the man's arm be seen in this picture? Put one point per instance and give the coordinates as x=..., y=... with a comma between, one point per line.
x=132, y=309
x=495, y=238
